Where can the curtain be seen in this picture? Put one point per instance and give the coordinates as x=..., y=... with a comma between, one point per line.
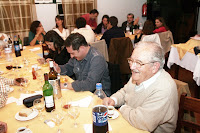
x=72, y=9
x=16, y=17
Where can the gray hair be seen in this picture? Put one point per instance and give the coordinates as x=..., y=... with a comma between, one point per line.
x=155, y=50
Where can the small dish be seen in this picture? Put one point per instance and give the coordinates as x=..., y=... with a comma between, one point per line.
x=31, y=116
x=23, y=130
x=114, y=116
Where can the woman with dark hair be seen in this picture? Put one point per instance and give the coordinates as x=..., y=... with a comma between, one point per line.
x=36, y=33
x=147, y=34
x=160, y=25
x=60, y=27
x=147, y=30
x=102, y=27
x=57, y=50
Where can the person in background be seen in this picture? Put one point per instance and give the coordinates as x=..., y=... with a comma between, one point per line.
x=147, y=35
x=3, y=37
x=36, y=33
x=160, y=25
x=91, y=18
x=57, y=50
x=60, y=27
x=130, y=23
x=149, y=101
x=3, y=127
x=113, y=31
x=3, y=89
x=84, y=30
x=88, y=65
x=102, y=27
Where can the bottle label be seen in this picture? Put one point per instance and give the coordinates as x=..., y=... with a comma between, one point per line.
x=100, y=117
x=49, y=101
x=17, y=48
x=53, y=83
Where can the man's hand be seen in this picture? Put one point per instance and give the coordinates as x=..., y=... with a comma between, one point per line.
x=2, y=37
x=3, y=127
x=136, y=21
x=56, y=67
x=108, y=101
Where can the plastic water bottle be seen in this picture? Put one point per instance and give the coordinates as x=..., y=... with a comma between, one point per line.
x=140, y=26
x=99, y=92
x=8, y=54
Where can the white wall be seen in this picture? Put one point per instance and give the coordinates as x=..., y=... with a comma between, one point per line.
x=46, y=14
x=120, y=9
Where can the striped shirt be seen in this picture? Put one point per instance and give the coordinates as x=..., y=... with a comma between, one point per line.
x=3, y=92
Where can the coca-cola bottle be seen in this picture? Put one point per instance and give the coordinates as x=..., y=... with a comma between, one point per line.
x=17, y=48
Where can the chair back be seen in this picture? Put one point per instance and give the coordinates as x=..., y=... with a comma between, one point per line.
x=189, y=104
x=166, y=39
x=26, y=41
x=119, y=50
x=115, y=77
x=102, y=47
x=45, y=50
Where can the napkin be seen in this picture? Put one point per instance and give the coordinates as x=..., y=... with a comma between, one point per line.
x=88, y=128
x=11, y=100
x=85, y=102
x=22, y=96
x=35, y=49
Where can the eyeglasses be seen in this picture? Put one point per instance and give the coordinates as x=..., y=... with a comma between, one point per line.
x=137, y=63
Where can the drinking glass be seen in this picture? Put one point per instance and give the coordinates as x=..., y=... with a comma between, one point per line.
x=65, y=104
x=1, y=50
x=57, y=117
x=74, y=113
x=25, y=84
x=39, y=105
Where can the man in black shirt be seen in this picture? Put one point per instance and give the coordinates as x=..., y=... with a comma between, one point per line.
x=113, y=32
x=130, y=23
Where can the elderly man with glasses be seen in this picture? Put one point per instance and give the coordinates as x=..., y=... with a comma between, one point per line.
x=149, y=101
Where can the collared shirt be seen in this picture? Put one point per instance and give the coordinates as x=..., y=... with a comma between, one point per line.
x=144, y=84
x=89, y=71
x=3, y=92
x=90, y=22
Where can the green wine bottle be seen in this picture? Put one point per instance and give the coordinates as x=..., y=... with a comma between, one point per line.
x=48, y=94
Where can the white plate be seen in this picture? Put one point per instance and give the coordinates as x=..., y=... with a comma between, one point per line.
x=114, y=116
x=31, y=116
x=26, y=130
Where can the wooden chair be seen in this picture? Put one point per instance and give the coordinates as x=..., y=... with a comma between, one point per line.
x=190, y=104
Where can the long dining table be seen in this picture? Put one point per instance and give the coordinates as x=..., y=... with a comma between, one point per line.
x=36, y=125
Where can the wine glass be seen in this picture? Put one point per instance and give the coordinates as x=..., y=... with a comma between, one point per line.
x=57, y=117
x=1, y=50
x=74, y=113
x=39, y=105
x=65, y=104
x=25, y=84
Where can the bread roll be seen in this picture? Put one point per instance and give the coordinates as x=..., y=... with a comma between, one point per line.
x=25, y=112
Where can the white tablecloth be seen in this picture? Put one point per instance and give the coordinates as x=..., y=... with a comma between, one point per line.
x=190, y=62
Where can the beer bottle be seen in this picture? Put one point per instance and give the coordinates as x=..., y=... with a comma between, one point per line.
x=48, y=94
x=17, y=48
x=20, y=43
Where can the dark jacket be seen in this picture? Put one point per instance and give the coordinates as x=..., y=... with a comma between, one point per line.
x=61, y=58
x=114, y=32
x=98, y=29
x=124, y=24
